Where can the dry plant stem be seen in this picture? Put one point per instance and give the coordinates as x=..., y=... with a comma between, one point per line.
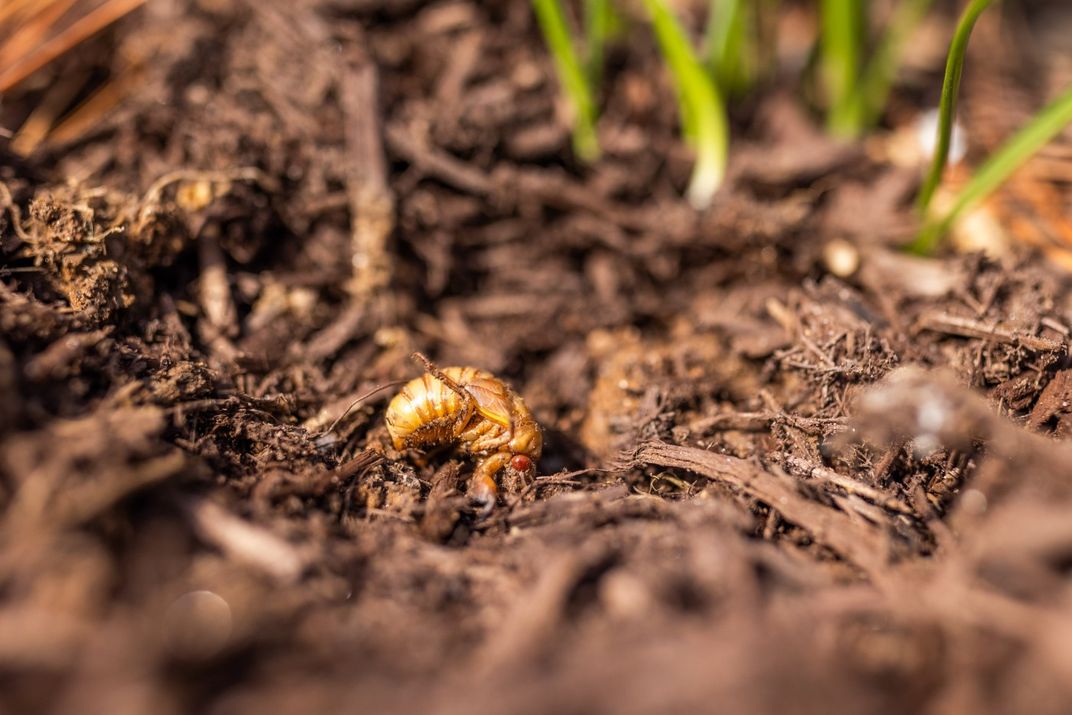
x=89, y=113
x=33, y=30
x=968, y=328
x=371, y=202
x=80, y=31
x=41, y=120
x=12, y=9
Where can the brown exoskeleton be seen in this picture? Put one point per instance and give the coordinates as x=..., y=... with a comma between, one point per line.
x=477, y=412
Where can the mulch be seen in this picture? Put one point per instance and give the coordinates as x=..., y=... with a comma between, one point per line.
x=770, y=484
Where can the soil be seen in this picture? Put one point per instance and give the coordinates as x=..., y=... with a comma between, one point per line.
x=787, y=468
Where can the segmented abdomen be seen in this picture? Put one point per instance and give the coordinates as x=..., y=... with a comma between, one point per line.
x=426, y=411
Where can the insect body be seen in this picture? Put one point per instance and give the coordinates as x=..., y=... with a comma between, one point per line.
x=474, y=410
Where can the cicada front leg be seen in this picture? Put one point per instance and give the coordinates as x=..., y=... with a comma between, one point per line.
x=482, y=487
x=484, y=438
x=443, y=377
x=470, y=404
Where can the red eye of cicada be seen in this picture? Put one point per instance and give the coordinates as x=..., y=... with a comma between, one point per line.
x=521, y=463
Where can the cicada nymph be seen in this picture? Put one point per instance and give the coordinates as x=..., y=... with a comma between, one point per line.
x=473, y=410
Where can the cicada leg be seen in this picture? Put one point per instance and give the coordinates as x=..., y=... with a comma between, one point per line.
x=471, y=406
x=483, y=490
x=484, y=437
x=444, y=378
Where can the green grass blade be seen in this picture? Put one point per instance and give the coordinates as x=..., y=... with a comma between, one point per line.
x=600, y=21
x=877, y=78
x=552, y=21
x=703, y=113
x=947, y=107
x=1046, y=125
x=728, y=44
x=842, y=28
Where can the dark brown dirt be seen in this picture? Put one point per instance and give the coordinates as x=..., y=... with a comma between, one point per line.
x=771, y=485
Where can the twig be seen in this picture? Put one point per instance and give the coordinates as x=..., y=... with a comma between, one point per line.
x=969, y=328
x=855, y=542
x=415, y=149
x=243, y=541
x=803, y=468
x=761, y=421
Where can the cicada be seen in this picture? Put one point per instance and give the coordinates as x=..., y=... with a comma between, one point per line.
x=477, y=413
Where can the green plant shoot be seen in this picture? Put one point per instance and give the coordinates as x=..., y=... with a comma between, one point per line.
x=600, y=23
x=703, y=113
x=856, y=91
x=571, y=75
x=878, y=75
x=947, y=107
x=1046, y=125
x=729, y=45
x=841, y=39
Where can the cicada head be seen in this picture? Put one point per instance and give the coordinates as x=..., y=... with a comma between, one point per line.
x=525, y=449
